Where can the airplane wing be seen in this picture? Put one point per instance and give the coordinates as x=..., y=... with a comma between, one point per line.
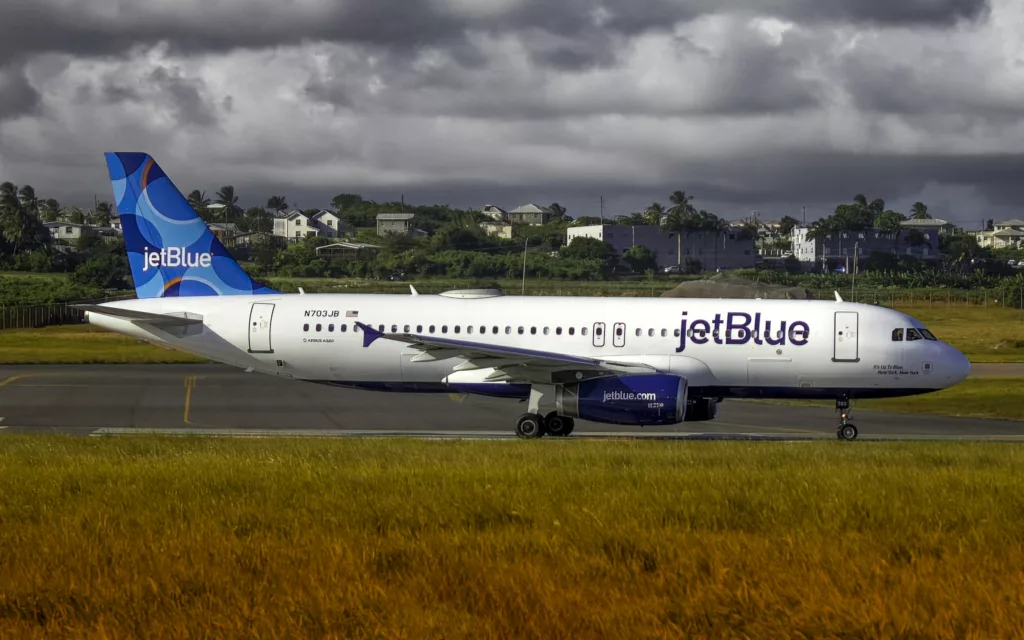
x=510, y=363
x=143, y=317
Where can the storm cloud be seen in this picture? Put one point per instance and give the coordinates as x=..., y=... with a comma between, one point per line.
x=746, y=104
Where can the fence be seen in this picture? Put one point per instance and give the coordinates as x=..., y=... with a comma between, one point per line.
x=35, y=316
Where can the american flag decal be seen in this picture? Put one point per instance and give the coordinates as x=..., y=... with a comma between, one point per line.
x=351, y=314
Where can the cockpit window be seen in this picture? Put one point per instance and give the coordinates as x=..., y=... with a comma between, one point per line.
x=897, y=335
x=912, y=334
x=928, y=335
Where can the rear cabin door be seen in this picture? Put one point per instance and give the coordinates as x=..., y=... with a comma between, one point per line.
x=619, y=337
x=259, y=327
x=598, y=334
x=846, y=337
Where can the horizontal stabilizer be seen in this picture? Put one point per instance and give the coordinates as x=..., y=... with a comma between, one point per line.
x=142, y=317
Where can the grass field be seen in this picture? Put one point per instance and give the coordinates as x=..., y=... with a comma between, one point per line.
x=144, y=537
x=974, y=397
x=82, y=344
x=984, y=334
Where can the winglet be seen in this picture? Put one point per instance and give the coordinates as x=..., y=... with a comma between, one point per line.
x=369, y=334
x=413, y=290
x=838, y=297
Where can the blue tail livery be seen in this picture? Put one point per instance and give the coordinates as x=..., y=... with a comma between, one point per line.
x=171, y=251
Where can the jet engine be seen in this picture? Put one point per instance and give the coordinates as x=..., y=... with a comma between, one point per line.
x=646, y=399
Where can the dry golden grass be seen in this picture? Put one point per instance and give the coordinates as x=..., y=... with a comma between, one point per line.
x=150, y=537
x=983, y=334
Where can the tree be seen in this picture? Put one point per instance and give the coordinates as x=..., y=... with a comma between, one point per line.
x=640, y=259
x=587, y=248
x=919, y=211
x=102, y=214
x=890, y=222
x=74, y=214
x=226, y=196
x=29, y=201
x=787, y=224
x=51, y=210
x=654, y=213
x=344, y=201
x=277, y=203
x=198, y=200
x=557, y=212
x=680, y=202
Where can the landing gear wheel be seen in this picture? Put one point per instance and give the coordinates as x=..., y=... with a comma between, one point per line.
x=556, y=425
x=847, y=432
x=530, y=425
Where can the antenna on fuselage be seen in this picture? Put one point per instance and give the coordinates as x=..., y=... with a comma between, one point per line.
x=413, y=290
x=838, y=297
x=301, y=292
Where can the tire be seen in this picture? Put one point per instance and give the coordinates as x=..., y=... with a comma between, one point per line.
x=530, y=426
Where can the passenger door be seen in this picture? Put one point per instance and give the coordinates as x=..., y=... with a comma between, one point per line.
x=846, y=339
x=259, y=327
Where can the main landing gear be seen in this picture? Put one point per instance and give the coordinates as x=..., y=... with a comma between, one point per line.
x=535, y=425
x=846, y=430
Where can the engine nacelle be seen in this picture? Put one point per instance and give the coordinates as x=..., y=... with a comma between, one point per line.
x=646, y=399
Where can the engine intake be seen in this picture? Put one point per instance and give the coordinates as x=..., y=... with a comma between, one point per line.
x=646, y=399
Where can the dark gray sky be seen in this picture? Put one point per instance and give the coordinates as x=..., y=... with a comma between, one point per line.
x=766, y=105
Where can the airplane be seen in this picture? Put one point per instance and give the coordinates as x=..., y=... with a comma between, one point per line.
x=623, y=361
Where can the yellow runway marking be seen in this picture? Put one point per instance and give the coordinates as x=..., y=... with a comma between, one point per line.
x=190, y=383
x=10, y=379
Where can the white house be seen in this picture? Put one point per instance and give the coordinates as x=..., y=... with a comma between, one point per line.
x=494, y=212
x=529, y=214
x=1004, y=234
x=294, y=225
x=69, y=231
x=497, y=229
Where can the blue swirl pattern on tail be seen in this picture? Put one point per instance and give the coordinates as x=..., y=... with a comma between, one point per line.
x=171, y=251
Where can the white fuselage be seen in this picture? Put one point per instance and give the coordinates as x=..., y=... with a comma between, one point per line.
x=801, y=349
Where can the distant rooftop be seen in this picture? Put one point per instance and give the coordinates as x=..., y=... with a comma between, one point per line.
x=395, y=216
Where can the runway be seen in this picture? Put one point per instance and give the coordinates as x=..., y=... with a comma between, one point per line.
x=219, y=400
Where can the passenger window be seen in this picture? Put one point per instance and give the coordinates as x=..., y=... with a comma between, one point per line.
x=330, y=327
x=598, y=331
x=431, y=328
x=483, y=329
x=558, y=331
x=444, y=328
x=545, y=331
x=380, y=328
x=469, y=329
x=664, y=333
x=305, y=327
x=639, y=332
x=520, y=331
x=405, y=329
x=495, y=330
x=319, y=327
x=419, y=328
x=533, y=331
x=912, y=334
x=508, y=330
x=343, y=328
x=457, y=329
x=676, y=333
x=394, y=328
x=650, y=333
x=583, y=331
x=572, y=331
x=897, y=335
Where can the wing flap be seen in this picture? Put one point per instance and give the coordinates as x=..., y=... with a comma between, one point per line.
x=143, y=317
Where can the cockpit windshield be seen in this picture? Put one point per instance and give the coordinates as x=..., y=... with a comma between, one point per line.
x=912, y=333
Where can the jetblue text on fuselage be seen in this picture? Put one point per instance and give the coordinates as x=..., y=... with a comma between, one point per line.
x=174, y=257
x=740, y=328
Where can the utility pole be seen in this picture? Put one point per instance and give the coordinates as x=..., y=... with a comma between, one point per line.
x=856, y=255
x=602, y=210
x=526, y=244
x=804, y=210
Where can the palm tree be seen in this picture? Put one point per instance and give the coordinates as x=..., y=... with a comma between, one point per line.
x=557, y=211
x=51, y=210
x=28, y=199
x=198, y=200
x=919, y=211
x=226, y=196
x=277, y=203
x=654, y=213
x=680, y=202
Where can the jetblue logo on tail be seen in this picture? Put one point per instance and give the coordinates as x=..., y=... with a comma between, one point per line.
x=741, y=328
x=174, y=257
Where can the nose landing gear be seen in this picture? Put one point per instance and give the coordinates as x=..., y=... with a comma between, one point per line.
x=846, y=429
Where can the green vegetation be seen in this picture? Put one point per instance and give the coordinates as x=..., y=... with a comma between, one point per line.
x=143, y=536
x=974, y=398
x=82, y=344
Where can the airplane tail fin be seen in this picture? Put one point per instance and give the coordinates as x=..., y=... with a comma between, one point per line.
x=171, y=251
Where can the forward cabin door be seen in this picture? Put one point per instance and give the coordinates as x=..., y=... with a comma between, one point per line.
x=259, y=327
x=846, y=337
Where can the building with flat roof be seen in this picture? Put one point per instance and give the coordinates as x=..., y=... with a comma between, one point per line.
x=725, y=250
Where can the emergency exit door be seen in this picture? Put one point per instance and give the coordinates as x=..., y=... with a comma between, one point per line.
x=259, y=327
x=846, y=337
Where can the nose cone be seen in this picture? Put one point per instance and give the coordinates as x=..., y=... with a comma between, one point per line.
x=957, y=366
